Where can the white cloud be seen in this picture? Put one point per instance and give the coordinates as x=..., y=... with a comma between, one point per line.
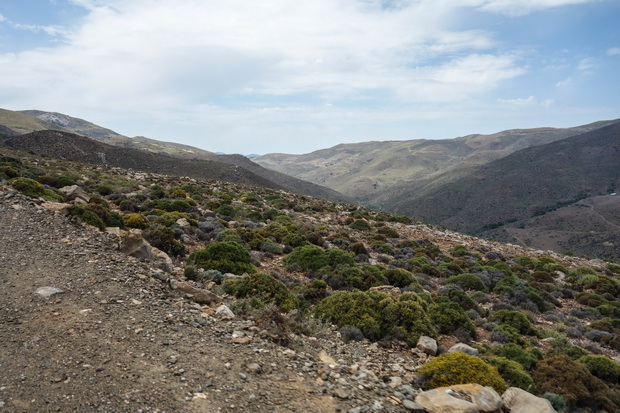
x=528, y=101
x=564, y=83
x=190, y=49
x=613, y=51
x=2, y=18
x=523, y=7
x=219, y=62
x=586, y=64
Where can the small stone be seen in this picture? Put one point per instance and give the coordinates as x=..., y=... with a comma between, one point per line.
x=427, y=345
x=254, y=368
x=224, y=312
x=412, y=406
x=243, y=376
x=343, y=393
x=325, y=358
x=242, y=340
x=396, y=381
x=47, y=292
x=463, y=348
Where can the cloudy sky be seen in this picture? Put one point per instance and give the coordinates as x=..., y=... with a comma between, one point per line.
x=245, y=76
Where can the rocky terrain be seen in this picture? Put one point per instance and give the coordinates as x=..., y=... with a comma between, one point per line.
x=94, y=318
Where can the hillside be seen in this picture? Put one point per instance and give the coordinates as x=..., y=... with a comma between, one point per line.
x=17, y=123
x=233, y=169
x=522, y=185
x=261, y=300
x=364, y=170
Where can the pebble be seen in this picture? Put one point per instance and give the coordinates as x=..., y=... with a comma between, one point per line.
x=47, y=292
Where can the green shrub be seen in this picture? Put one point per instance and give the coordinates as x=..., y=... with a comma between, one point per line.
x=360, y=225
x=514, y=319
x=226, y=210
x=467, y=282
x=87, y=216
x=558, y=402
x=575, y=352
x=306, y=257
x=573, y=381
x=34, y=189
x=265, y=287
x=459, y=250
x=270, y=246
x=512, y=351
x=378, y=315
x=341, y=277
x=314, y=291
x=115, y=220
x=163, y=238
x=224, y=257
x=460, y=368
x=512, y=333
x=401, y=278
x=135, y=221
x=512, y=372
x=229, y=235
x=449, y=317
x=105, y=189
x=382, y=248
x=388, y=232
x=602, y=367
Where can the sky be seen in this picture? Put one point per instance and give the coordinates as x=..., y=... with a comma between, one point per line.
x=256, y=77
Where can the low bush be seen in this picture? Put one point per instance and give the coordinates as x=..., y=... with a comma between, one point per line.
x=448, y=316
x=135, y=221
x=164, y=239
x=265, y=287
x=378, y=315
x=460, y=368
x=515, y=319
x=34, y=189
x=87, y=216
x=602, y=367
x=224, y=257
x=573, y=381
x=401, y=278
x=467, y=282
x=512, y=351
x=512, y=372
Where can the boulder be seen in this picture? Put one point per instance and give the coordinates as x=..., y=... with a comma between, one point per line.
x=520, y=401
x=198, y=295
x=162, y=260
x=57, y=207
x=76, y=194
x=463, y=348
x=132, y=243
x=224, y=312
x=460, y=398
x=427, y=345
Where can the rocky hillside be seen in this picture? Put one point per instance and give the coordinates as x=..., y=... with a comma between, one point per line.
x=233, y=169
x=153, y=292
x=365, y=170
x=530, y=183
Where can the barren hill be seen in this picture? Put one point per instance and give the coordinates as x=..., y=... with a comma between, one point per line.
x=65, y=145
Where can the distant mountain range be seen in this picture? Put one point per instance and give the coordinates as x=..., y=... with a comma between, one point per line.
x=496, y=186
x=63, y=136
